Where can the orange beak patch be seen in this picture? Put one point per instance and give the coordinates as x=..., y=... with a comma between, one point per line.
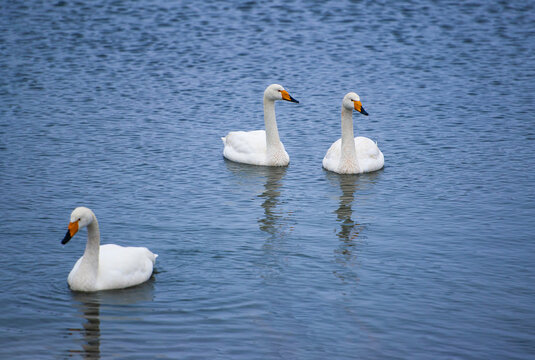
x=359, y=108
x=287, y=97
x=73, y=228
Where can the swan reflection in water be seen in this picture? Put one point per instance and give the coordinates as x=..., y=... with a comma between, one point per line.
x=274, y=220
x=351, y=230
x=88, y=305
x=267, y=183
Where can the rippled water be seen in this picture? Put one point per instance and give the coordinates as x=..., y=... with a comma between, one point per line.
x=120, y=106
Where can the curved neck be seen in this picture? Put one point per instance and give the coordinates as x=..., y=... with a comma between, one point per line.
x=348, y=143
x=270, y=122
x=92, y=248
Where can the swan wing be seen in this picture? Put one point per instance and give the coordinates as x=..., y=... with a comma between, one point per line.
x=331, y=161
x=247, y=147
x=121, y=267
x=369, y=157
x=71, y=279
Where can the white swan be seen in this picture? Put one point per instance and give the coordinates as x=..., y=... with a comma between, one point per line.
x=260, y=147
x=348, y=155
x=109, y=266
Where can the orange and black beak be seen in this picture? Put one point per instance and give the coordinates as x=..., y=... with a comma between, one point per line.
x=73, y=229
x=359, y=108
x=287, y=97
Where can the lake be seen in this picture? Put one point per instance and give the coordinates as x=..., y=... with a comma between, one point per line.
x=120, y=106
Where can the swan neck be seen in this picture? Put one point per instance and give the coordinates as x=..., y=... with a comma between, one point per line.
x=270, y=122
x=92, y=248
x=348, y=141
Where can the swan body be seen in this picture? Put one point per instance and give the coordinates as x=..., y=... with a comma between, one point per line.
x=109, y=266
x=260, y=147
x=349, y=155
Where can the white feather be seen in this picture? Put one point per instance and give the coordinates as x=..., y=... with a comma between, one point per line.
x=109, y=266
x=349, y=155
x=259, y=147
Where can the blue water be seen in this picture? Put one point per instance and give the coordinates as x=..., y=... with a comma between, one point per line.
x=120, y=106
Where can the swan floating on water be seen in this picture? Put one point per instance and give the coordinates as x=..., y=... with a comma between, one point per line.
x=109, y=266
x=348, y=155
x=260, y=147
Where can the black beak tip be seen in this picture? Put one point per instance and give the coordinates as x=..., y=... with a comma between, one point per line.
x=293, y=100
x=66, y=238
x=363, y=112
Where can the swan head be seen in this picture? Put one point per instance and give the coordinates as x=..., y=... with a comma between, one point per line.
x=80, y=218
x=352, y=102
x=276, y=92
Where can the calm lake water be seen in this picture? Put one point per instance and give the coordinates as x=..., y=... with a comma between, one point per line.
x=120, y=106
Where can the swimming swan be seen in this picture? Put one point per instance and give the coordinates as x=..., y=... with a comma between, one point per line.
x=348, y=155
x=260, y=147
x=109, y=266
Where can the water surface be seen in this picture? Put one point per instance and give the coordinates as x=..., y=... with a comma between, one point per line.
x=120, y=107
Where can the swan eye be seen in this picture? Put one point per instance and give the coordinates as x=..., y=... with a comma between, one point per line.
x=79, y=219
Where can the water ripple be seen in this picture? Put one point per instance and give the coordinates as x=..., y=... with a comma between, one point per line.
x=121, y=108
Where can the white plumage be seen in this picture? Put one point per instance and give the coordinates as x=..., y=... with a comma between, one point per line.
x=260, y=147
x=349, y=155
x=109, y=266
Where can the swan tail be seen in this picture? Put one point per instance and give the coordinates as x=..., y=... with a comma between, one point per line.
x=153, y=260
